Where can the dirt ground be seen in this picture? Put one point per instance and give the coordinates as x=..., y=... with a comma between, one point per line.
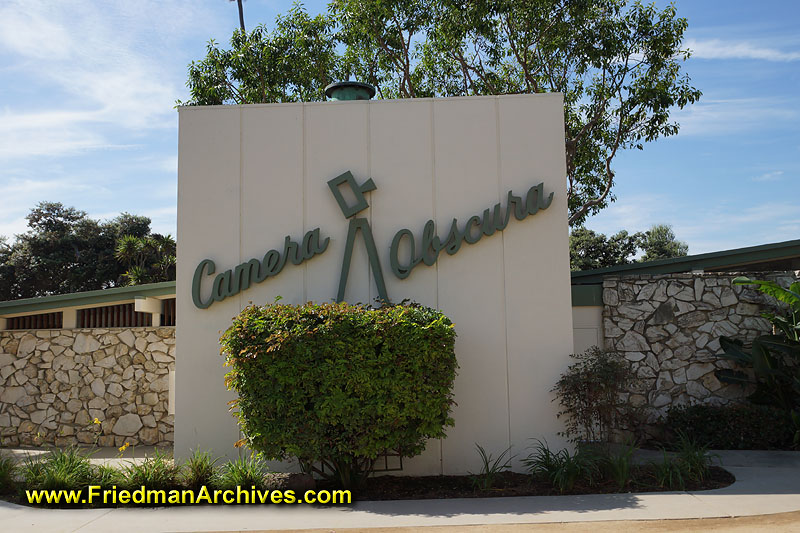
x=775, y=523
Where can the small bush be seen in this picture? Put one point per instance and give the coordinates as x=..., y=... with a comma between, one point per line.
x=108, y=476
x=589, y=395
x=336, y=385
x=199, y=470
x=8, y=472
x=670, y=473
x=732, y=427
x=157, y=472
x=616, y=466
x=67, y=469
x=490, y=468
x=244, y=472
x=562, y=468
x=694, y=456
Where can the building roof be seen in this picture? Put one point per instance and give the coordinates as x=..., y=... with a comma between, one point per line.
x=88, y=298
x=776, y=256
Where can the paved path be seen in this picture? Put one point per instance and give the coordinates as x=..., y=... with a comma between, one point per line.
x=767, y=482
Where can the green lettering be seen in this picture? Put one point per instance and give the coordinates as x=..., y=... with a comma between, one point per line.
x=209, y=267
x=473, y=221
x=431, y=245
x=222, y=286
x=270, y=263
x=402, y=271
x=314, y=246
x=244, y=273
x=454, y=238
x=520, y=209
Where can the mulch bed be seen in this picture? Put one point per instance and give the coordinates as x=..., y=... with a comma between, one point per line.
x=513, y=484
x=385, y=487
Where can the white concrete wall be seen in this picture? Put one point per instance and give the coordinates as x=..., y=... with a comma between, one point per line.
x=249, y=176
x=587, y=327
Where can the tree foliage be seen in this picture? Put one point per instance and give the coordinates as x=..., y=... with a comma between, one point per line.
x=65, y=251
x=660, y=243
x=617, y=63
x=336, y=385
x=294, y=62
x=589, y=250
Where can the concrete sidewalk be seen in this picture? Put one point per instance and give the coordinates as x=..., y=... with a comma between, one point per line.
x=766, y=483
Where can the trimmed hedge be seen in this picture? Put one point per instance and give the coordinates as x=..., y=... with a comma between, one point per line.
x=338, y=384
x=733, y=426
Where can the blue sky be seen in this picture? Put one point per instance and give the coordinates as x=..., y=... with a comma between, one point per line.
x=87, y=117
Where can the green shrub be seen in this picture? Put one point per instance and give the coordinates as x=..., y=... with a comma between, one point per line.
x=67, y=469
x=732, y=426
x=245, y=472
x=157, y=472
x=562, y=468
x=335, y=385
x=589, y=394
x=8, y=472
x=108, y=476
x=694, y=456
x=199, y=470
x=670, y=473
x=490, y=468
x=616, y=465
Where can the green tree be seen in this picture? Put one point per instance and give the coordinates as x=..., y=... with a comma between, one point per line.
x=294, y=62
x=148, y=259
x=589, y=250
x=618, y=66
x=66, y=251
x=617, y=63
x=659, y=242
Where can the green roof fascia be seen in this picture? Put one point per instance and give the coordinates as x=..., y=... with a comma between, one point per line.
x=43, y=303
x=587, y=295
x=712, y=260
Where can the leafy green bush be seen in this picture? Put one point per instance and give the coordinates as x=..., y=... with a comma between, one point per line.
x=157, y=472
x=694, y=456
x=244, y=472
x=732, y=426
x=67, y=469
x=335, y=385
x=491, y=468
x=670, y=473
x=8, y=471
x=200, y=469
x=108, y=476
x=562, y=468
x=616, y=465
x=773, y=361
x=589, y=394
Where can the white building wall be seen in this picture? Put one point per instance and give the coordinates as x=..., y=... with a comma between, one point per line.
x=587, y=327
x=250, y=175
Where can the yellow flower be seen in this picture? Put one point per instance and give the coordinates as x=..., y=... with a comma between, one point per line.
x=97, y=421
x=124, y=446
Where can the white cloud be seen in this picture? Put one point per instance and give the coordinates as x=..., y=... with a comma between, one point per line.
x=705, y=230
x=729, y=49
x=20, y=195
x=105, y=71
x=769, y=176
x=734, y=115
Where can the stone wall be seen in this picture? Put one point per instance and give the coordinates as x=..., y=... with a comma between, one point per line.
x=55, y=383
x=668, y=327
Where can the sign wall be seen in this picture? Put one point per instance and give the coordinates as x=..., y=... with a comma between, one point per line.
x=457, y=203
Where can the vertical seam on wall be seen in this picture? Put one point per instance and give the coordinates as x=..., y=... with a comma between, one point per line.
x=241, y=227
x=370, y=274
x=303, y=193
x=433, y=215
x=503, y=246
